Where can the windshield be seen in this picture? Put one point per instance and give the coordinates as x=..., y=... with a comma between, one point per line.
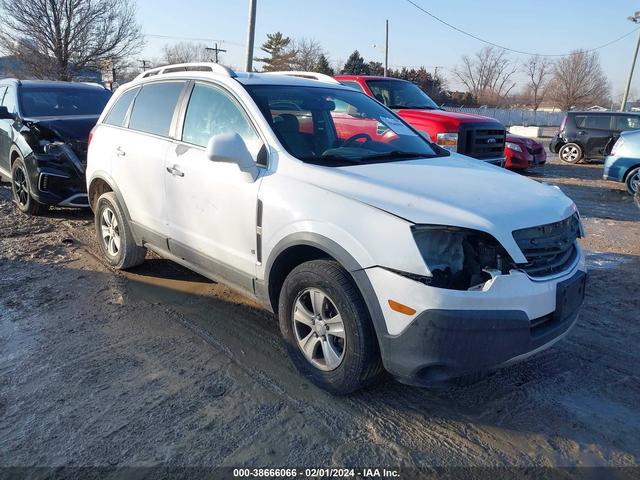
x=333, y=127
x=63, y=101
x=400, y=94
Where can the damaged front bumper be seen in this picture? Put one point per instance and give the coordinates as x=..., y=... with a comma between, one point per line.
x=454, y=333
x=57, y=177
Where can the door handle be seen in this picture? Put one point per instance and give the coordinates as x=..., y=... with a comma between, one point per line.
x=175, y=172
x=120, y=152
x=582, y=132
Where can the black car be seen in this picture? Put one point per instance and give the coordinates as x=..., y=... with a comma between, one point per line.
x=590, y=135
x=44, y=133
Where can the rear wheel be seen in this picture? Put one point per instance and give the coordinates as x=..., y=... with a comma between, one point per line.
x=22, y=190
x=327, y=328
x=571, y=153
x=114, y=234
x=633, y=181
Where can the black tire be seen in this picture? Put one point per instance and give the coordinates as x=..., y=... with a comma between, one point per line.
x=21, y=189
x=571, y=153
x=633, y=180
x=127, y=254
x=361, y=364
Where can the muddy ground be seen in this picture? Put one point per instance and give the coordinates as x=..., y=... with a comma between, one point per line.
x=160, y=366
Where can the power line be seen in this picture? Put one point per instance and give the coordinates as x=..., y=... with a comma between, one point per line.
x=522, y=52
x=194, y=39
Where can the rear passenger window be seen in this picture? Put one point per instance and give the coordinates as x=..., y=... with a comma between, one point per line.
x=118, y=112
x=154, y=106
x=599, y=122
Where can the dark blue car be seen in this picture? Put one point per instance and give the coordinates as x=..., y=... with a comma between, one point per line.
x=623, y=164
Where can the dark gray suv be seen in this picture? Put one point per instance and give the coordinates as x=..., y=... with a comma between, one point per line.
x=590, y=135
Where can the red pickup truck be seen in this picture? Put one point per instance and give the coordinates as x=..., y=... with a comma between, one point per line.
x=472, y=135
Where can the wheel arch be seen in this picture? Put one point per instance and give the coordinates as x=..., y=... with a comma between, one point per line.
x=629, y=170
x=300, y=247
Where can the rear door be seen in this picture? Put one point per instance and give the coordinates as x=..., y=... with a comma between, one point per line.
x=595, y=130
x=138, y=157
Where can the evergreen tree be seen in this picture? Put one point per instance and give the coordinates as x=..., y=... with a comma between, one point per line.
x=281, y=56
x=355, y=65
x=376, y=68
x=322, y=66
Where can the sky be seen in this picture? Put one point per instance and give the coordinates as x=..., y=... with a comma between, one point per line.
x=415, y=39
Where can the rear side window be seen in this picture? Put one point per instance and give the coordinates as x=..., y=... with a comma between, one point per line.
x=118, y=112
x=598, y=122
x=625, y=123
x=154, y=107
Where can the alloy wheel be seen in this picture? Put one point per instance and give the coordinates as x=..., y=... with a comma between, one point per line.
x=110, y=231
x=570, y=154
x=20, y=187
x=319, y=329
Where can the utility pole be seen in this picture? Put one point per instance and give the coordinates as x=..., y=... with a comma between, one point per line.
x=251, y=34
x=216, y=50
x=386, y=48
x=635, y=19
x=144, y=64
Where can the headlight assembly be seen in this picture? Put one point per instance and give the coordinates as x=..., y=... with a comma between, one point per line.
x=459, y=258
x=513, y=146
x=448, y=141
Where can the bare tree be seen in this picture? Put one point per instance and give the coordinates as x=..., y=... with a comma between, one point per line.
x=488, y=74
x=185, y=52
x=307, y=53
x=538, y=69
x=58, y=38
x=579, y=81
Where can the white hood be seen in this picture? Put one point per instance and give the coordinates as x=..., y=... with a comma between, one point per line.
x=453, y=191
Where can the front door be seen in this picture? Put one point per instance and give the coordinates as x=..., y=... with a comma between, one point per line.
x=211, y=205
x=7, y=99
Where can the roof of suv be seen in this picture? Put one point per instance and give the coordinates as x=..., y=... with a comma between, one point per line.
x=216, y=71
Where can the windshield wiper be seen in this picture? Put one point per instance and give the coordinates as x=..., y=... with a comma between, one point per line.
x=394, y=154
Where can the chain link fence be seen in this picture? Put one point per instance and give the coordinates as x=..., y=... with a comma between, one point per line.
x=515, y=116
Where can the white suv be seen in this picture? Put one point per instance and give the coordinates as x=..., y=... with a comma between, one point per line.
x=376, y=248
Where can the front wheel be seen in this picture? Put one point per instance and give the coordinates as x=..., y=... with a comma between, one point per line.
x=114, y=234
x=571, y=153
x=327, y=328
x=633, y=181
x=22, y=190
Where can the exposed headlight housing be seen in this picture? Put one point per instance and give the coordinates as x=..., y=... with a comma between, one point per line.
x=459, y=258
x=513, y=146
x=448, y=140
x=617, y=146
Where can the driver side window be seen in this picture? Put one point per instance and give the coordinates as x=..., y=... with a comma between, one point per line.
x=212, y=112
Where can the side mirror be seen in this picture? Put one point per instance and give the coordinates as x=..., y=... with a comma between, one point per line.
x=230, y=148
x=5, y=115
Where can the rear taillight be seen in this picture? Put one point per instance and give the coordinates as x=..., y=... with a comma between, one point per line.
x=91, y=136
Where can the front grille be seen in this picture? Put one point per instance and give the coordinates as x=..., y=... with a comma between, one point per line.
x=549, y=248
x=481, y=141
